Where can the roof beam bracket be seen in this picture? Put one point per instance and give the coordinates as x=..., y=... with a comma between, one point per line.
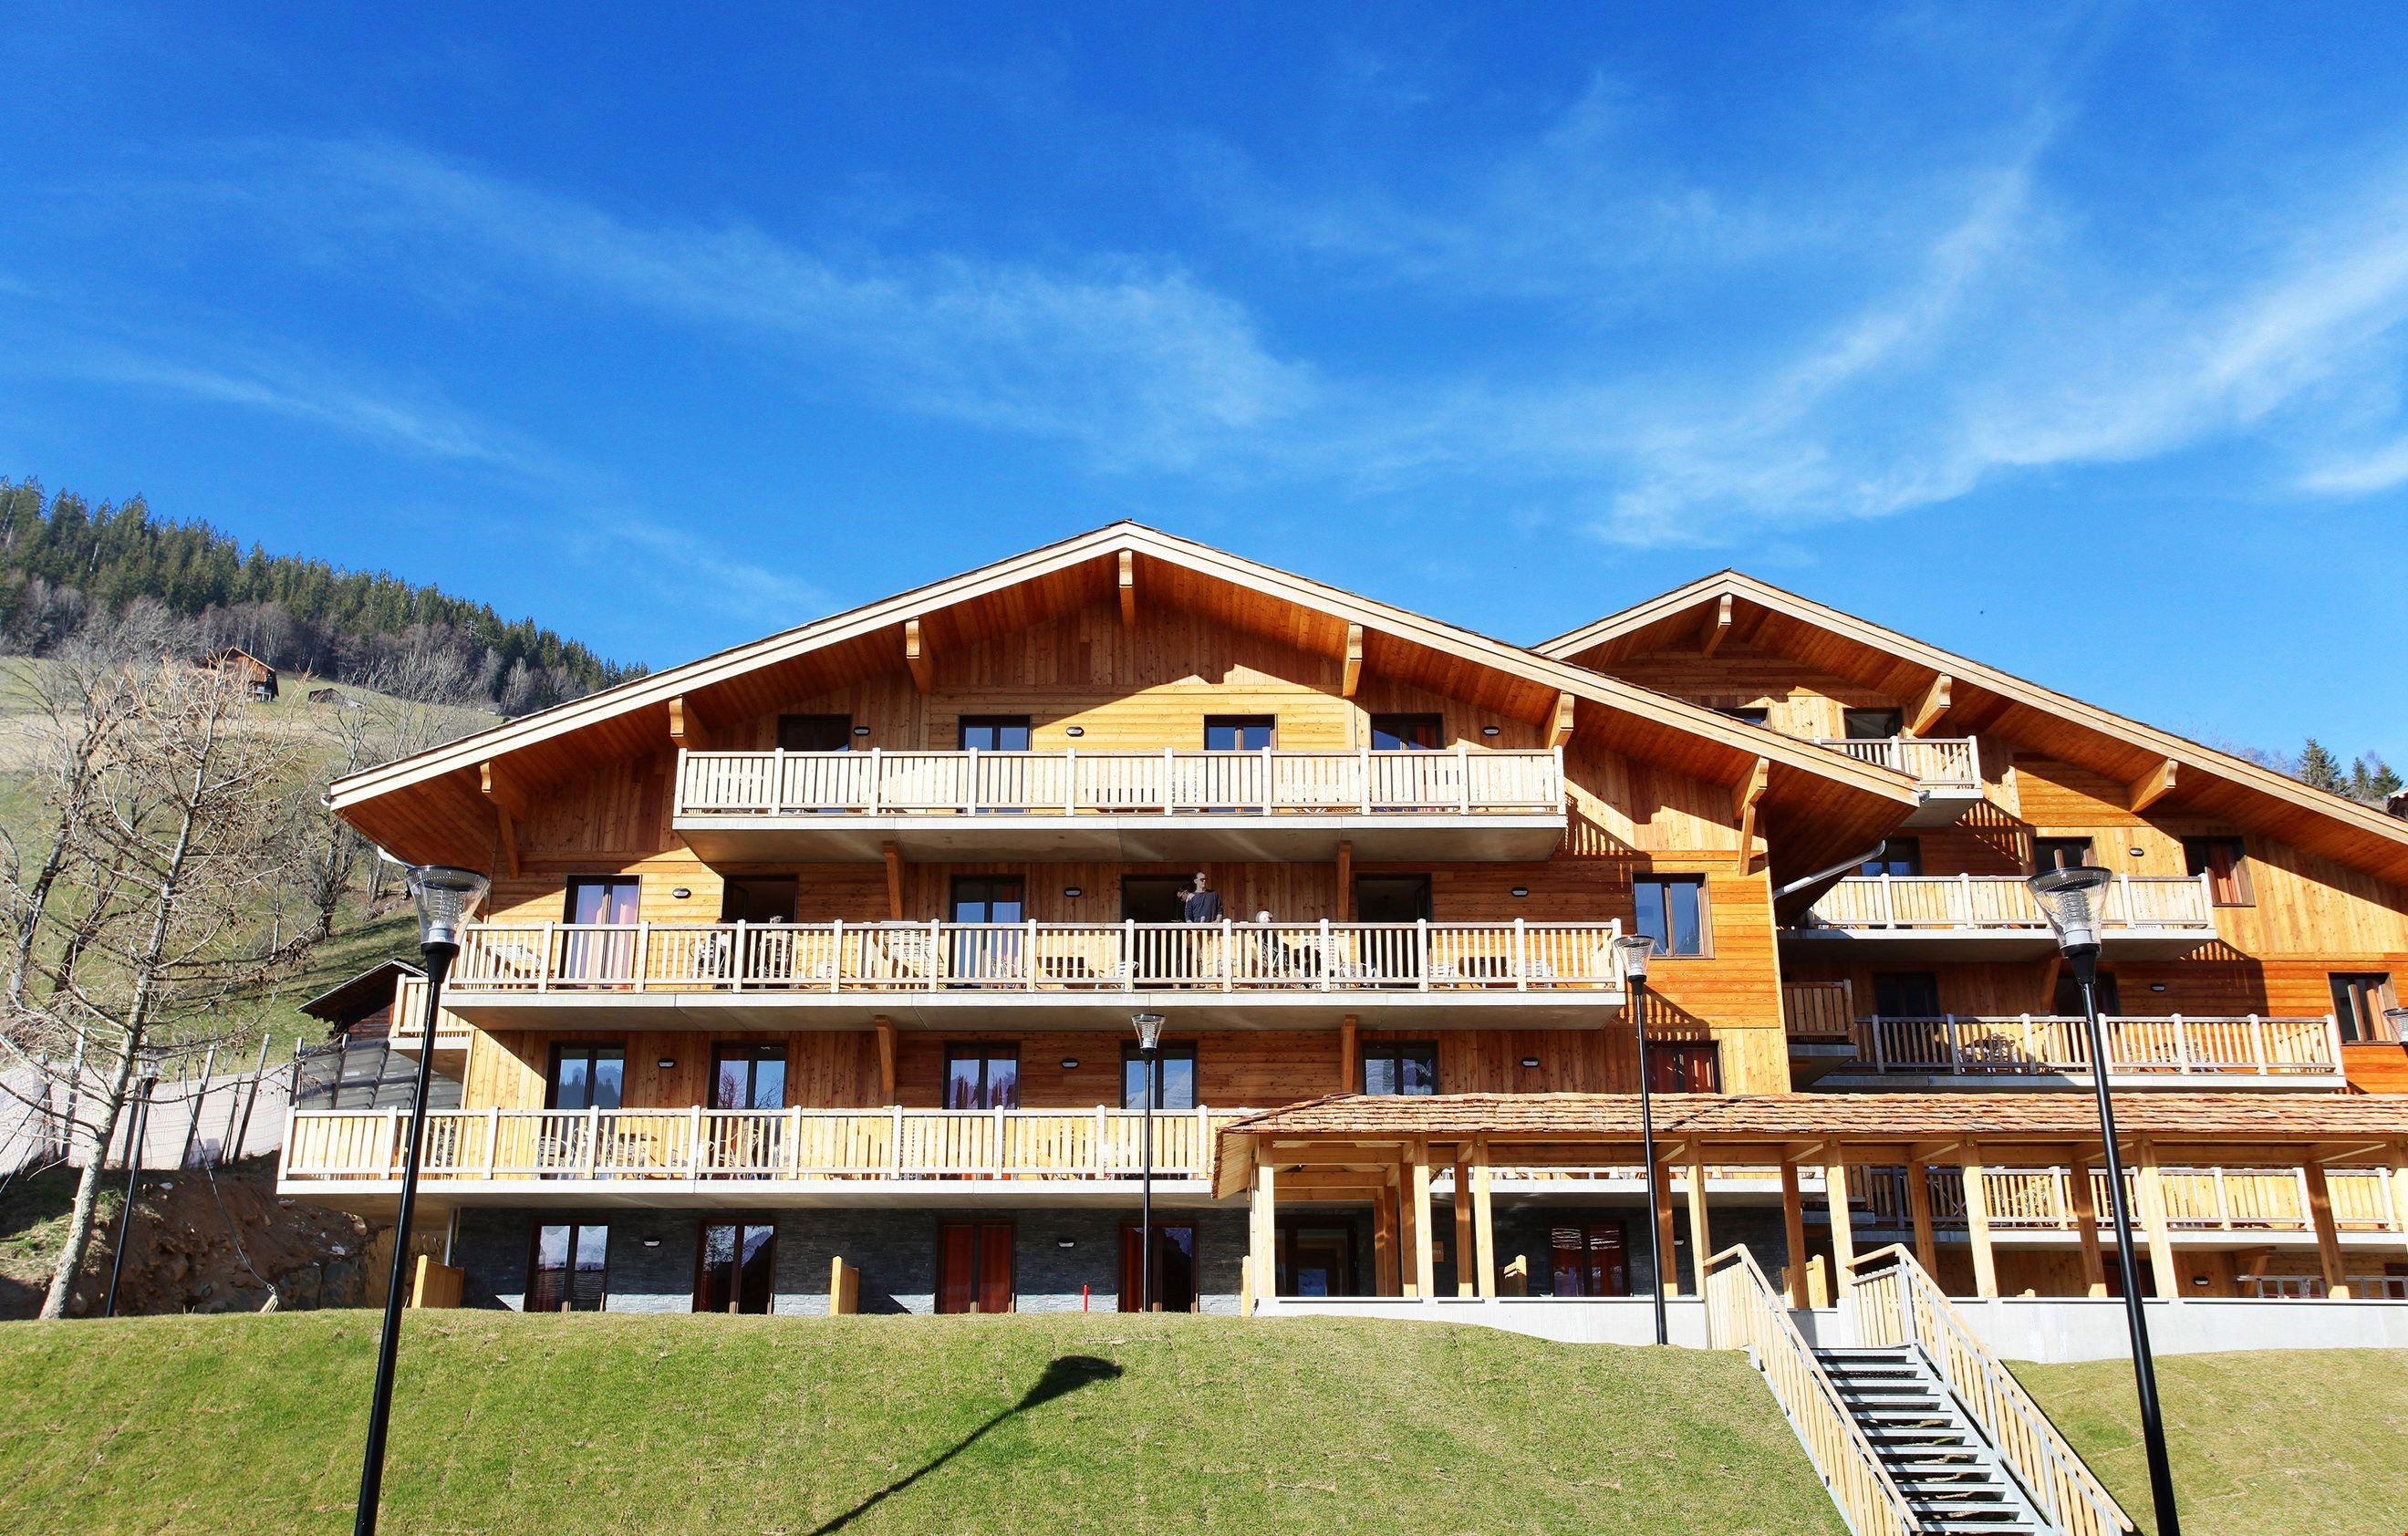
x=1717, y=626
x=915, y=656
x=2154, y=785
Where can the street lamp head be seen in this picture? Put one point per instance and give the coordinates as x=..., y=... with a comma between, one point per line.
x=2071, y=900
x=446, y=898
x=1636, y=950
x=1149, y=1029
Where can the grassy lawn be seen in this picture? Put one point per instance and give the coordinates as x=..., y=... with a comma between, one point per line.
x=1102, y=1424
x=2300, y=1442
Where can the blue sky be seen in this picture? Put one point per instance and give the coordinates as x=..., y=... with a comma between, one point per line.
x=2070, y=338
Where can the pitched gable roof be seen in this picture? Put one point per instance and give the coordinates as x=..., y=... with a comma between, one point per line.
x=434, y=804
x=1981, y=698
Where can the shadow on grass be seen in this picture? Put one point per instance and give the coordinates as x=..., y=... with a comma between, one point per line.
x=1064, y=1374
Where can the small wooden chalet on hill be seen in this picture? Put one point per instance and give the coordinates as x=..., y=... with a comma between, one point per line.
x=807, y=974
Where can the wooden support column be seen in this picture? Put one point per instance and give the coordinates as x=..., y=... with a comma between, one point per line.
x=2085, y=1226
x=1386, y=1277
x=1345, y=879
x=1843, y=1235
x=1425, y=1280
x=1349, y=1057
x=1918, y=1210
x=1743, y=803
x=1669, y=1281
x=1128, y=587
x=2153, y=1219
x=2328, y=1236
x=915, y=656
x=1262, y=1236
x=893, y=881
x=1353, y=675
x=885, y=1027
x=1464, y=1283
x=1793, y=1230
x=1717, y=626
x=1484, y=1222
x=1702, y=1240
x=509, y=807
x=1977, y=1225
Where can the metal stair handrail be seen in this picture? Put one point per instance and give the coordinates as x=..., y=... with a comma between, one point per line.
x=1898, y=1302
x=1743, y=1313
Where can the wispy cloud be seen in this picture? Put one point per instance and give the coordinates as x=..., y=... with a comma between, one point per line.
x=1132, y=359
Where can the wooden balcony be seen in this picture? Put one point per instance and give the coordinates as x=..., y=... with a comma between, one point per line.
x=1121, y=805
x=793, y=1157
x=1234, y=974
x=1993, y=917
x=2249, y=1201
x=1946, y=770
x=2169, y=1051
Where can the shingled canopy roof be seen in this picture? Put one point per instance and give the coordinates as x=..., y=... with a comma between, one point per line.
x=1856, y=1128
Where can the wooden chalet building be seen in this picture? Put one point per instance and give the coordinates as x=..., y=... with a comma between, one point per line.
x=808, y=974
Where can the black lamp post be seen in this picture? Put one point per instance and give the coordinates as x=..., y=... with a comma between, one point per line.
x=1636, y=950
x=146, y=1081
x=1148, y=1038
x=2073, y=898
x=446, y=898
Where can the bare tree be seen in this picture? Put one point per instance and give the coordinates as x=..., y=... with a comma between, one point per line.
x=151, y=922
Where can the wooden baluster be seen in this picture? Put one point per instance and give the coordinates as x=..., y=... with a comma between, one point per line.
x=1421, y=951
x=1521, y=956
x=1462, y=776
x=1169, y=798
x=493, y=1140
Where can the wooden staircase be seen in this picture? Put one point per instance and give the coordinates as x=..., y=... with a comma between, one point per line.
x=1916, y=1430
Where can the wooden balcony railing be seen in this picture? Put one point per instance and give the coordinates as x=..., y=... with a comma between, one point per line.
x=2002, y=903
x=1819, y=1012
x=2197, y=1199
x=1075, y=957
x=2038, y=1044
x=1465, y=782
x=1936, y=762
x=697, y=1145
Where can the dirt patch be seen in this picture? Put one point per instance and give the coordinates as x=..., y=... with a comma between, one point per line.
x=193, y=1248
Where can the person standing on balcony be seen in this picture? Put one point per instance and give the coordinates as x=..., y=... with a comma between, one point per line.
x=1201, y=903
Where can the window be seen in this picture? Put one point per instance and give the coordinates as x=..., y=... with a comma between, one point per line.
x=815, y=733
x=1174, y=1267
x=1406, y=732
x=1392, y=899
x=2067, y=1002
x=1587, y=1260
x=2059, y=852
x=600, y=902
x=2220, y=860
x=1672, y=912
x=974, y=1266
x=2359, y=999
x=1401, y=1072
x=1871, y=725
x=1314, y=1258
x=1174, y=1078
x=757, y=901
x=585, y=1077
x=1906, y=993
x=1752, y=714
x=570, y=1269
x=736, y=1267
x=747, y=1077
x=1239, y=732
x=1898, y=857
x=994, y=732
x=1684, y=1066
x=981, y=1077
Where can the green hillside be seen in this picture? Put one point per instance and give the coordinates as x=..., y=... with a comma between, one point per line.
x=1103, y=1424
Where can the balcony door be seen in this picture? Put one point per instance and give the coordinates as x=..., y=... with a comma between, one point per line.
x=993, y=732
x=988, y=955
x=1684, y=1066
x=735, y=1270
x=1588, y=1259
x=1174, y=1077
x=2059, y=853
x=1896, y=856
x=1314, y=1258
x=2067, y=1001
x=974, y=1266
x=603, y=901
x=570, y=1270
x=1174, y=1267
x=1406, y=732
x=1240, y=732
x=2359, y=999
x=815, y=732
x=1906, y=993
x=1871, y=725
x=585, y=1077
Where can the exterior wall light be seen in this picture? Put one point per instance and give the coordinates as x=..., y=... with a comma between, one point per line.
x=1521, y=890
x=861, y=730
x=1070, y=1064
x=1074, y=891
x=681, y=893
x=1489, y=730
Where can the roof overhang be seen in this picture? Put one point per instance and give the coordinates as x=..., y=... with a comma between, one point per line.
x=2165, y=774
x=438, y=805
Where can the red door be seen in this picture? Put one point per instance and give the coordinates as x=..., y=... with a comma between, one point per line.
x=974, y=1266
